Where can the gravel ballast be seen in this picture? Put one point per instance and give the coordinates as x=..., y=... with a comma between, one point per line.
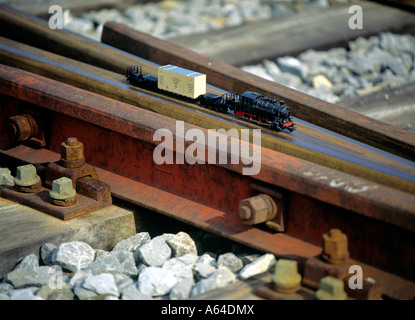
x=76, y=271
x=173, y=18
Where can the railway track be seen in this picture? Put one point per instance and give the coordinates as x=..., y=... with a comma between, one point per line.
x=319, y=177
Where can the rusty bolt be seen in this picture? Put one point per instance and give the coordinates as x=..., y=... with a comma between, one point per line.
x=63, y=193
x=335, y=249
x=6, y=178
x=286, y=278
x=22, y=127
x=72, y=153
x=331, y=289
x=26, y=179
x=257, y=209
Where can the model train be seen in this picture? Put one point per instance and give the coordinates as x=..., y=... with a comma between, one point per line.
x=191, y=85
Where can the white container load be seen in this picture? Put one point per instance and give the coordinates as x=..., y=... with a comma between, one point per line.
x=178, y=80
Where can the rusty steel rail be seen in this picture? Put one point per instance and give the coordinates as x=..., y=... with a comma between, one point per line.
x=208, y=195
x=33, y=31
x=301, y=144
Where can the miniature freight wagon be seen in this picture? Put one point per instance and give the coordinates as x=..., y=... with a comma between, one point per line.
x=178, y=80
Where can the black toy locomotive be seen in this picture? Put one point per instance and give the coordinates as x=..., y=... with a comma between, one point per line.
x=249, y=105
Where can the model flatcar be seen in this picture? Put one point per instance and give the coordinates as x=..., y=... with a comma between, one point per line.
x=189, y=84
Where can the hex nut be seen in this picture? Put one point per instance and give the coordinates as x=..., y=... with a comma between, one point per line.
x=245, y=212
x=286, y=277
x=257, y=209
x=26, y=176
x=22, y=127
x=62, y=189
x=6, y=178
x=335, y=247
x=331, y=289
x=72, y=153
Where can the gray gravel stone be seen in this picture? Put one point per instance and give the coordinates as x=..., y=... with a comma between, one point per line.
x=336, y=57
x=4, y=296
x=84, y=294
x=272, y=68
x=6, y=179
x=156, y=251
x=46, y=253
x=204, y=267
x=389, y=80
x=398, y=68
x=80, y=25
x=30, y=262
x=360, y=45
x=233, y=17
x=182, y=289
x=107, y=263
x=222, y=277
x=31, y=277
x=5, y=287
x=132, y=293
x=122, y=281
x=360, y=65
x=379, y=59
x=260, y=265
x=395, y=44
x=74, y=255
x=156, y=281
x=179, y=269
x=259, y=71
x=127, y=261
x=63, y=292
x=188, y=259
x=230, y=261
x=79, y=277
x=289, y=80
x=182, y=244
x=132, y=243
x=24, y=294
x=101, y=284
x=114, y=262
x=292, y=65
x=323, y=93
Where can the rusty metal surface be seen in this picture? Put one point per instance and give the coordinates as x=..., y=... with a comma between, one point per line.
x=208, y=195
x=41, y=201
